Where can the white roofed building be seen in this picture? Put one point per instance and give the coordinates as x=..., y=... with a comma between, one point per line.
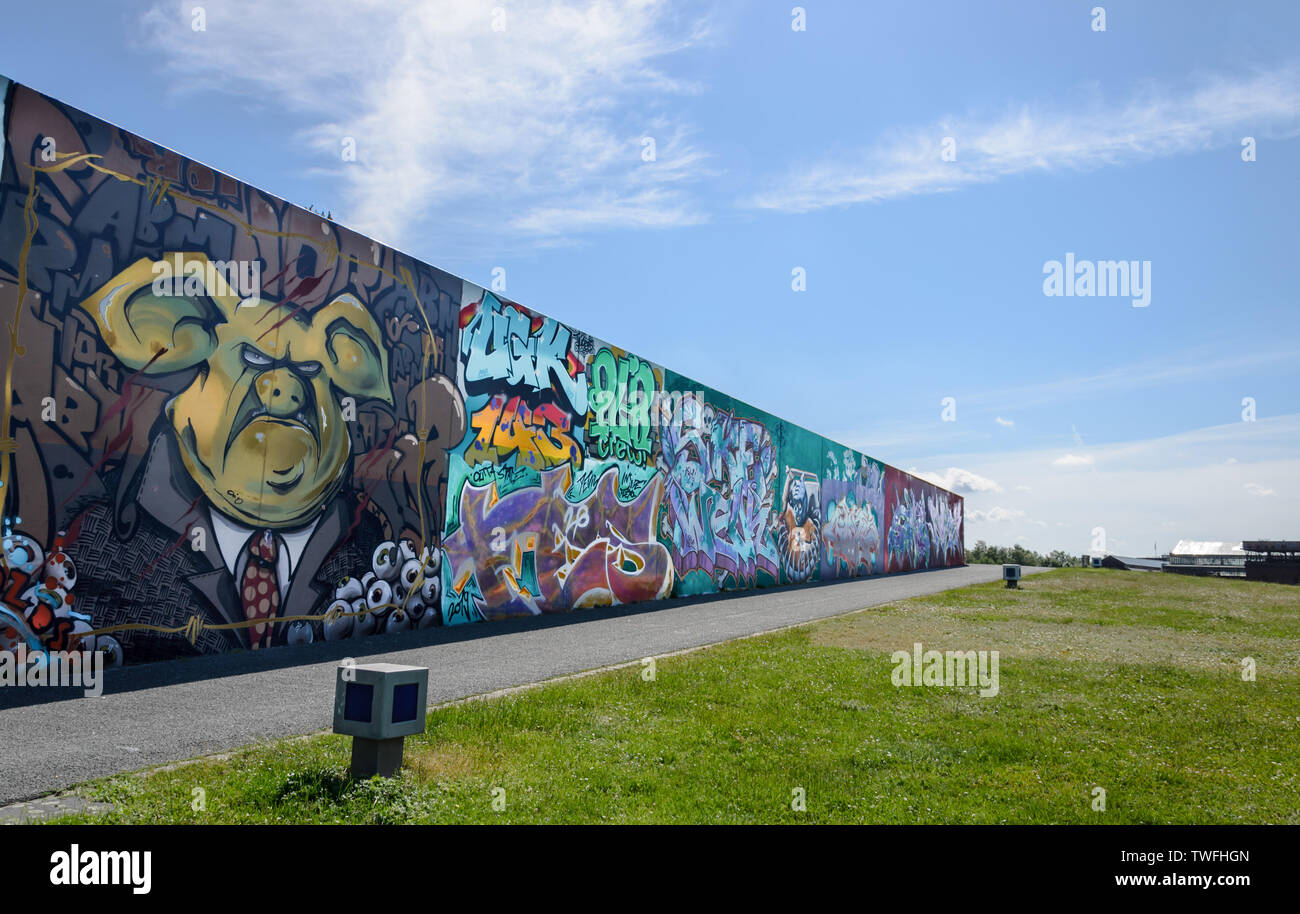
x=1207, y=558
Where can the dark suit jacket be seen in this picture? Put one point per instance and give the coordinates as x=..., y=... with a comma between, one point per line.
x=154, y=575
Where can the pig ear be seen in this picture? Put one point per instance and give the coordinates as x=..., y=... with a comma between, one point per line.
x=162, y=333
x=358, y=361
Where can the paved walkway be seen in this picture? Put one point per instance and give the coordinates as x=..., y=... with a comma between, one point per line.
x=164, y=712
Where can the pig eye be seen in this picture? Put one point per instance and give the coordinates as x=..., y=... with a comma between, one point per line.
x=307, y=369
x=254, y=359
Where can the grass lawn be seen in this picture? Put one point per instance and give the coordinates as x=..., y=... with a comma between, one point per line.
x=1127, y=681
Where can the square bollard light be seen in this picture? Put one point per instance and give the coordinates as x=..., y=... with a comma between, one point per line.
x=379, y=705
x=1011, y=574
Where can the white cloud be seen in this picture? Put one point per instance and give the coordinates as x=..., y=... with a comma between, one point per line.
x=1182, y=366
x=997, y=515
x=1255, y=488
x=536, y=128
x=1176, y=367
x=1149, y=124
x=955, y=479
x=1023, y=489
x=1005, y=423
x=1074, y=460
x=1148, y=491
x=1000, y=515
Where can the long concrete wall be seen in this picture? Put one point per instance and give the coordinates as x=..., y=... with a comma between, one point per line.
x=232, y=423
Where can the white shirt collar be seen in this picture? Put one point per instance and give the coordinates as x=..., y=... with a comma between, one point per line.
x=232, y=536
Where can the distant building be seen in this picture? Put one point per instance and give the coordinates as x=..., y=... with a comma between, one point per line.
x=1132, y=563
x=1277, y=561
x=1225, y=560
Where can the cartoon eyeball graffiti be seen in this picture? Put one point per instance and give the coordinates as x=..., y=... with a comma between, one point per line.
x=108, y=646
x=431, y=556
x=398, y=621
x=410, y=576
x=366, y=621
x=432, y=617
x=349, y=589
x=60, y=568
x=386, y=561
x=407, y=549
x=431, y=587
x=339, y=620
x=415, y=609
x=431, y=590
x=379, y=595
x=22, y=553
x=300, y=632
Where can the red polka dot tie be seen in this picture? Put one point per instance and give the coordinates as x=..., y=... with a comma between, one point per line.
x=259, y=587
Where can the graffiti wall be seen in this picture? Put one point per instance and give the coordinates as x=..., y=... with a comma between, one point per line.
x=231, y=423
x=853, y=519
x=923, y=524
x=554, y=493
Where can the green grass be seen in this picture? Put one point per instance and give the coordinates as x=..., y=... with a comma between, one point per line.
x=1127, y=681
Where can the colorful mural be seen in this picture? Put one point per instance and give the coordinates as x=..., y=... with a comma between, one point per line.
x=853, y=493
x=720, y=470
x=798, y=529
x=217, y=404
x=923, y=523
x=231, y=423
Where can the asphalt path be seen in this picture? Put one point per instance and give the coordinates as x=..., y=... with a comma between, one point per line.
x=165, y=712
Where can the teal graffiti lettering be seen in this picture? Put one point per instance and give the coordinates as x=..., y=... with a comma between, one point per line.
x=622, y=392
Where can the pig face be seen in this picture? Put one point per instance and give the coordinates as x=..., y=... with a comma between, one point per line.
x=261, y=428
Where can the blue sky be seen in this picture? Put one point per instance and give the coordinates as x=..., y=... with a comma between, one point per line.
x=522, y=147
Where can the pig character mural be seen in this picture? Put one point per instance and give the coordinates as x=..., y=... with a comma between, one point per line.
x=250, y=459
x=218, y=405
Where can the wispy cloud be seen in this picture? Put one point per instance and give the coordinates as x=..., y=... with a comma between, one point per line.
x=1181, y=366
x=1195, y=363
x=1152, y=123
x=535, y=126
x=997, y=515
x=1140, y=491
x=955, y=479
x=1074, y=460
x=1005, y=423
